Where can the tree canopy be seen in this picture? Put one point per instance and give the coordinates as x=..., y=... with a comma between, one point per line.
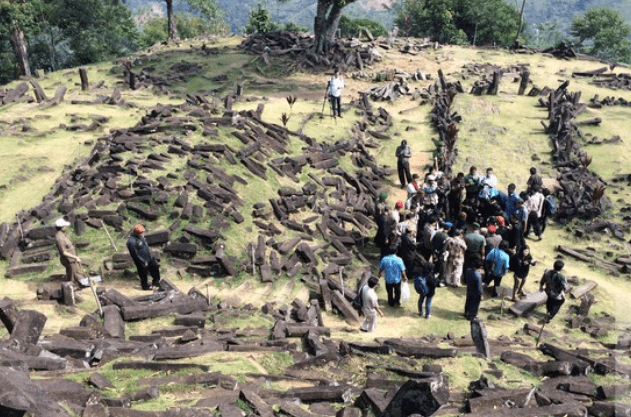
x=602, y=32
x=479, y=22
x=52, y=34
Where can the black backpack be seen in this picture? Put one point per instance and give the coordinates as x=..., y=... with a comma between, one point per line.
x=358, y=301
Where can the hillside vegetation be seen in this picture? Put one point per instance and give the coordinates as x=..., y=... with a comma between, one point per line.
x=503, y=132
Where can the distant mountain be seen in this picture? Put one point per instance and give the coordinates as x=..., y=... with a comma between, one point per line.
x=558, y=13
x=301, y=12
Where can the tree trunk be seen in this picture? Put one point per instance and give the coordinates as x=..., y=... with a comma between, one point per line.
x=328, y=15
x=19, y=42
x=171, y=20
x=521, y=21
x=319, y=26
x=332, y=21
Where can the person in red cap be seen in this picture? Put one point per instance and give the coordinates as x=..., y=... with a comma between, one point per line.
x=144, y=260
x=493, y=240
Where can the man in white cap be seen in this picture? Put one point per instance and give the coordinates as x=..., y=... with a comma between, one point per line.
x=67, y=253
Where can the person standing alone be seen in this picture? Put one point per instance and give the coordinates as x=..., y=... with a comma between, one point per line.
x=67, y=253
x=144, y=260
x=403, y=154
x=336, y=85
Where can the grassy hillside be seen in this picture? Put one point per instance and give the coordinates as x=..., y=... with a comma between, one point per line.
x=502, y=131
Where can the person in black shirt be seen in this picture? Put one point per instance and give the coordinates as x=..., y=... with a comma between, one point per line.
x=520, y=264
x=144, y=260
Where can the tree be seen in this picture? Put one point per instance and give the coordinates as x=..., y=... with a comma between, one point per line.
x=94, y=30
x=327, y=18
x=259, y=21
x=188, y=26
x=15, y=17
x=171, y=22
x=602, y=32
x=207, y=8
x=480, y=22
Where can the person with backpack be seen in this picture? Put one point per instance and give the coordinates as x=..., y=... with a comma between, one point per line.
x=520, y=264
x=473, y=279
x=496, y=266
x=425, y=285
x=394, y=269
x=554, y=284
x=370, y=305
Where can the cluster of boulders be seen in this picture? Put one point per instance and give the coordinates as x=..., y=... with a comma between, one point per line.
x=390, y=384
x=582, y=191
x=299, y=49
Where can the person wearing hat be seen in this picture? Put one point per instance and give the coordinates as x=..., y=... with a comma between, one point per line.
x=493, y=240
x=68, y=254
x=430, y=187
x=144, y=260
x=380, y=203
x=440, y=156
x=383, y=229
x=403, y=154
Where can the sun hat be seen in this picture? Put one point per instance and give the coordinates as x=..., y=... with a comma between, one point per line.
x=61, y=222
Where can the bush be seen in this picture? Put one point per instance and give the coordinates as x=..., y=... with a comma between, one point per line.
x=350, y=27
x=188, y=26
x=293, y=27
x=259, y=21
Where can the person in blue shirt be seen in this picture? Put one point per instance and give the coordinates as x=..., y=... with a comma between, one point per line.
x=496, y=266
x=509, y=201
x=394, y=270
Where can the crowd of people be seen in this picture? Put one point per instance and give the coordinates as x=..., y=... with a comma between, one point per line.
x=461, y=230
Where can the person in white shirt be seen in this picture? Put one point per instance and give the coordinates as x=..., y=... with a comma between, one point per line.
x=489, y=185
x=534, y=208
x=370, y=305
x=336, y=85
